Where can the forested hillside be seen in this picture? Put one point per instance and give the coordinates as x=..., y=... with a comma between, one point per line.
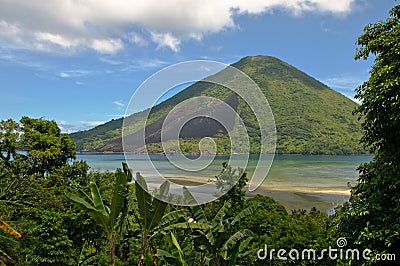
x=310, y=117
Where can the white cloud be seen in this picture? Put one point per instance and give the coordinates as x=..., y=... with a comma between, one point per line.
x=166, y=40
x=92, y=123
x=344, y=84
x=66, y=127
x=70, y=127
x=10, y=31
x=297, y=7
x=107, y=46
x=101, y=25
x=119, y=104
x=137, y=39
x=110, y=61
x=74, y=73
x=57, y=39
x=64, y=75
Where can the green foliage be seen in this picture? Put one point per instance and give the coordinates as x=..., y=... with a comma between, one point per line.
x=51, y=230
x=47, y=148
x=274, y=227
x=9, y=137
x=152, y=218
x=111, y=130
x=48, y=241
x=121, y=224
x=150, y=209
x=216, y=242
x=232, y=181
x=371, y=218
x=103, y=215
x=7, y=232
x=77, y=172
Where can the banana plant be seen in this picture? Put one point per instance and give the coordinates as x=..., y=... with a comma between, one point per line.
x=154, y=220
x=219, y=243
x=149, y=212
x=112, y=217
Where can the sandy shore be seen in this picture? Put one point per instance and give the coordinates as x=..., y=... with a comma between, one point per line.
x=307, y=189
x=292, y=197
x=338, y=190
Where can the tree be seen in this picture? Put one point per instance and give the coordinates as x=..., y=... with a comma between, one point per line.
x=372, y=217
x=9, y=136
x=46, y=146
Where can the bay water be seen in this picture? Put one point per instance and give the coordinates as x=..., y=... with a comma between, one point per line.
x=296, y=181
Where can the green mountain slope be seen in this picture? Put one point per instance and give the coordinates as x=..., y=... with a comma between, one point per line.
x=310, y=117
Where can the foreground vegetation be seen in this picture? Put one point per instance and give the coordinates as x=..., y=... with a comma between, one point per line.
x=66, y=215
x=53, y=211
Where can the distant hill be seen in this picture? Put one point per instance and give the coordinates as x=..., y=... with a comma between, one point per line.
x=310, y=117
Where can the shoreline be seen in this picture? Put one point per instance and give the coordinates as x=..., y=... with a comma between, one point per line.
x=291, y=197
x=296, y=181
x=337, y=190
x=83, y=152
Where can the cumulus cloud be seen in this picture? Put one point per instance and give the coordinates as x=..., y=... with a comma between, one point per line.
x=108, y=26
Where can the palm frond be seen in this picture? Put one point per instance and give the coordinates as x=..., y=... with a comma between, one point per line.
x=96, y=197
x=9, y=230
x=119, y=196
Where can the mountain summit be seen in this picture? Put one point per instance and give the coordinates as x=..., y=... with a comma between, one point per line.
x=310, y=117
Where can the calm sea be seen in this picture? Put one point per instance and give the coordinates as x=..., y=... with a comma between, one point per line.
x=297, y=181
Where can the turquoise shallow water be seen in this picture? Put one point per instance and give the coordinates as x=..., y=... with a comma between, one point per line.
x=296, y=181
x=296, y=170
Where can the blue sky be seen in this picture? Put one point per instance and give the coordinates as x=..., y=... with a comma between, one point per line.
x=78, y=62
